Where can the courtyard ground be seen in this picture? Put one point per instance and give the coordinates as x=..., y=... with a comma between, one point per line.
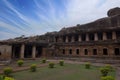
x=71, y=71
x=67, y=72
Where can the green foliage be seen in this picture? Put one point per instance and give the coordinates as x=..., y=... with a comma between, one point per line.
x=107, y=78
x=33, y=67
x=20, y=63
x=51, y=65
x=7, y=71
x=44, y=60
x=5, y=78
x=61, y=62
x=9, y=78
x=87, y=65
x=2, y=77
x=109, y=67
x=104, y=71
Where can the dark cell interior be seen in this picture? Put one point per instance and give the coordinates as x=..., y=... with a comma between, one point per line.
x=56, y=39
x=118, y=34
x=76, y=37
x=16, y=51
x=83, y=37
x=117, y=51
x=38, y=51
x=69, y=38
x=63, y=51
x=91, y=36
x=64, y=38
x=28, y=51
x=105, y=52
x=94, y=51
x=109, y=35
x=70, y=51
x=86, y=52
x=100, y=36
x=77, y=51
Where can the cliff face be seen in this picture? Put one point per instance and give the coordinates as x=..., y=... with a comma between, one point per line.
x=110, y=22
x=113, y=12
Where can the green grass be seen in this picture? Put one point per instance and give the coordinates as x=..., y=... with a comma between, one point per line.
x=67, y=72
x=26, y=63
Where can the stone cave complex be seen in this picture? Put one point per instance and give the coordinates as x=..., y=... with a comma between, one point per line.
x=95, y=40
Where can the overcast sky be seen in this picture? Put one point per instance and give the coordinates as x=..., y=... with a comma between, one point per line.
x=35, y=17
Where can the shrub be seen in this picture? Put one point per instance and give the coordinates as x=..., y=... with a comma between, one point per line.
x=61, y=62
x=87, y=65
x=20, y=63
x=51, y=65
x=107, y=78
x=44, y=60
x=9, y=78
x=104, y=71
x=33, y=67
x=2, y=77
x=5, y=78
x=109, y=67
x=7, y=71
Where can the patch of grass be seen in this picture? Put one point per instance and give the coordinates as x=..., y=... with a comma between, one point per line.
x=68, y=72
x=27, y=63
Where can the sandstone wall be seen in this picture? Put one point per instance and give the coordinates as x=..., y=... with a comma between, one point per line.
x=99, y=48
x=5, y=52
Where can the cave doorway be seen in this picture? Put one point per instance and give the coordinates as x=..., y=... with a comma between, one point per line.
x=28, y=51
x=16, y=51
x=38, y=51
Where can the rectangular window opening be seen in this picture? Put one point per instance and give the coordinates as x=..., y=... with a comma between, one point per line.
x=86, y=52
x=94, y=51
x=77, y=51
x=105, y=51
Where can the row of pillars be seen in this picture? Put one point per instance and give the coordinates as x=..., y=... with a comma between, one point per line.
x=104, y=37
x=23, y=50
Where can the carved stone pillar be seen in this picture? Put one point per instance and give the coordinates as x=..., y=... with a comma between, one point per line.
x=96, y=37
x=34, y=52
x=113, y=35
x=104, y=36
x=22, y=51
x=66, y=39
x=87, y=37
x=79, y=39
